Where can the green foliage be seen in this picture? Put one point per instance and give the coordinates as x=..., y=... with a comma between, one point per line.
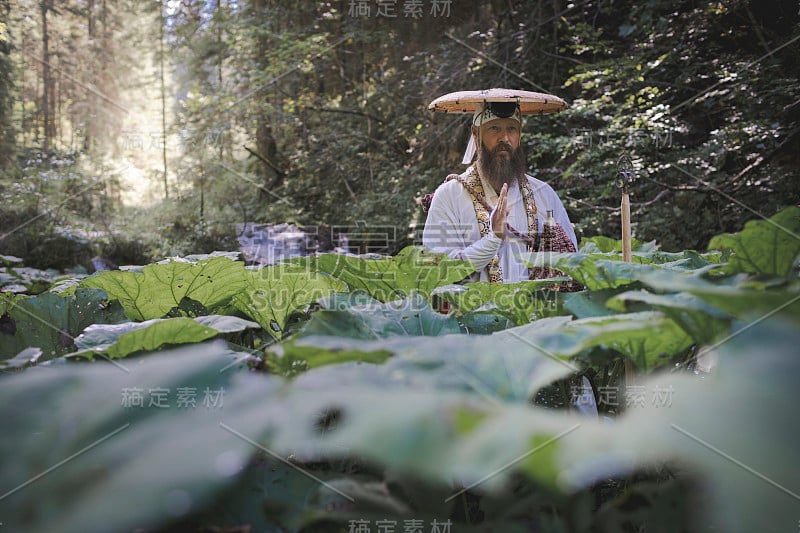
x=770, y=246
x=331, y=107
x=699, y=114
x=15, y=278
x=51, y=322
x=603, y=244
x=429, y=361
x=742, y=299
x=413, y=428
x=518, y=302
x=598, y=271
x=390, y=278
x=59, y=206
x=127, y=448
x=702, y=322
x=374, y=320
x=121, y=340
x=388, y=403
x=272, y=294
x=160, y=288
x=25, y=358
x=392, y=403
x=648, y=339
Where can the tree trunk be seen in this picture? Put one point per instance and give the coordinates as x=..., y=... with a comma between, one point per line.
x=57, y=101
x=221, y=136
x=7, y=135
x=47, y=114
x=90, y=18
x=37, y=117
x=265, y=141
x=162, y=22
x=24, y=69
x=91, y=102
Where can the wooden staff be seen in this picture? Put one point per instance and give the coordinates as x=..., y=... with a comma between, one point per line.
x=626, y=226
x=625, y=177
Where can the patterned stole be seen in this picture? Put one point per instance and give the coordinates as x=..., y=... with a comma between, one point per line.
x=552, y=238
x=472, y=182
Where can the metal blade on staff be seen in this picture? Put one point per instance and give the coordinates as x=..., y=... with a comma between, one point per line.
x=625, y=177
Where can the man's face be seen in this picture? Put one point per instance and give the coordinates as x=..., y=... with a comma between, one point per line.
x=501, y=134
x=500, y=157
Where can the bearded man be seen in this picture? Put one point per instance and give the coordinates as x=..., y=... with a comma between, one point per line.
x=493, y=212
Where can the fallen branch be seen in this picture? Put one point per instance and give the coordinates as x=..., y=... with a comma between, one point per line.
x=280, y=173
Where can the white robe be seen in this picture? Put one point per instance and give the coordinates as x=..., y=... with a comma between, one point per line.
x=452, y=226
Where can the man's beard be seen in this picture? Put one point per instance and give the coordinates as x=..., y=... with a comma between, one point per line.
x=497, y=168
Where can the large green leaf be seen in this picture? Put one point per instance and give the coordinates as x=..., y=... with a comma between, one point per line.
x=271, y=294
x=410, y=316
x=484, y=323
x=395, y=415
x=121, y=340
x=608, y=271
x=501, y=366
x=390, y=278
x=341, y=301
x=764, y=246
x=447, y=436
x=647, y=253
x=277, y=497
x=50, y=321
x=737, y=427
x=738, y=296
x=585, y=304
x=703, y=322
x=159, y=288
x=76, y=456
x=588, y=270
x=432, y=423
x=519, y=302
x=291, y=359
x=649, y=339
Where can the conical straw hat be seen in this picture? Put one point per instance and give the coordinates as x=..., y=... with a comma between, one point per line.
x=530, y=103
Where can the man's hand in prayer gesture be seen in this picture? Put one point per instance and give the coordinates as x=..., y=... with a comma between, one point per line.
x=500, y=213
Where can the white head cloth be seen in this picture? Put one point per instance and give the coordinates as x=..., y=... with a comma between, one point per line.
x=483, y=114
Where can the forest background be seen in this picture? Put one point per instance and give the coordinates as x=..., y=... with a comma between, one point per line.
x=138, y=130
